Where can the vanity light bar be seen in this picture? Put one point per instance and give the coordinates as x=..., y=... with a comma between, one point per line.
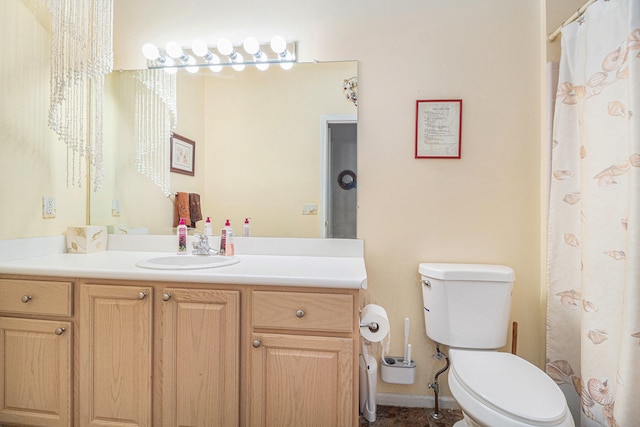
x=225, y=54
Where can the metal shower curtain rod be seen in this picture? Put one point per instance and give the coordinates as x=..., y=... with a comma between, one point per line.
x=572, y=18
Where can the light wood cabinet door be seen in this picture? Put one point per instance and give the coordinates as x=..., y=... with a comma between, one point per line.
x=200, y=357
x=301, y=381
x=115, y=355
x=35, y=372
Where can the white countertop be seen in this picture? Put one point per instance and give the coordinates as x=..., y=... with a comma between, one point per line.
x=329, y=263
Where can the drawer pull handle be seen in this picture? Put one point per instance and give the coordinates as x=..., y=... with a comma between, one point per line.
x=142, y=295
x=300, y=314
x=166, y=296
x=26, y=298
x=256, y=343
x=60, y=331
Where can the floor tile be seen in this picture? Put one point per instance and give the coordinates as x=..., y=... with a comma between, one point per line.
x=387, y=416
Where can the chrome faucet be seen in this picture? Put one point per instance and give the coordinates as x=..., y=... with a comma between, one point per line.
x=201, y=245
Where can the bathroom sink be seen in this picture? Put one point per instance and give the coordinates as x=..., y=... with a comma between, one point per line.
x=187, y=262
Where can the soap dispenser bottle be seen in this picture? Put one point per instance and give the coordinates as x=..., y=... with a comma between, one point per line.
x=229, y=246
x=226, y=240
x=245, y=228
x=182, y=237
x=208, y=231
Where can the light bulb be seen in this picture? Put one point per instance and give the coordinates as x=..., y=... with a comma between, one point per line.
x=225, y=47
x=251, y=45
x=174, y=50
x=199, y=47
x=278, y=44
x=215, y=59
x=262, y=63
x=169, y=66
x=287, y=65
x=150, y=51
x=192, y=61
x=238, y=62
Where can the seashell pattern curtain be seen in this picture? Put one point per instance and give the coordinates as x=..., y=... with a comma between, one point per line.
x=593, y=303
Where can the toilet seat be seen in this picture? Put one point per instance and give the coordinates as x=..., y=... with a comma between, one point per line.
x=507, y=385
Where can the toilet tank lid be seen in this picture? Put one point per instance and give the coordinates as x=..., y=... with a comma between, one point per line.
x=478, y=272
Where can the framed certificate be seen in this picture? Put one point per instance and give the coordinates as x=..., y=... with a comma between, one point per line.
x=438, y=129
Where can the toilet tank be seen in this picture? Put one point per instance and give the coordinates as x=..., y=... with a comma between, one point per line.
x=467, y=305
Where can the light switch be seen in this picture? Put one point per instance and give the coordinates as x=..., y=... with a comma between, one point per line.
x=310, y=209
x=115, y=207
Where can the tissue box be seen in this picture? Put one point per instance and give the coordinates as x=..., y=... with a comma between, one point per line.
x=86, y=239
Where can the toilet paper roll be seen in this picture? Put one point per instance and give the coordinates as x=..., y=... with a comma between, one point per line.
x=373, y=313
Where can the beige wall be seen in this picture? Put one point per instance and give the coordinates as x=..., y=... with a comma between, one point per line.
x=32, y=160
x=485, y=207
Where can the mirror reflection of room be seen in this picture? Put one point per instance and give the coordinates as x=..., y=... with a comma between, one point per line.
x=269, y=145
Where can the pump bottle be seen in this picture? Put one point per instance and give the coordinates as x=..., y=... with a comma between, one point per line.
x=182, y=237
x=245, y=228
x=226, y=240
x=229, y=246
x=208, y=231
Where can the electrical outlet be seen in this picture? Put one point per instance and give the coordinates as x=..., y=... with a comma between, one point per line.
x=48, y=207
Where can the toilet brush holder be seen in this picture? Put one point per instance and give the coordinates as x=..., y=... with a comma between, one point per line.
x=395, y=371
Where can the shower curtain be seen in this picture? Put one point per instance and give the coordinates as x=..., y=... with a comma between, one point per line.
x=593, y=303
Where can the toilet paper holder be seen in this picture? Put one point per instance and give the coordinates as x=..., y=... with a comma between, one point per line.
x=373, y=326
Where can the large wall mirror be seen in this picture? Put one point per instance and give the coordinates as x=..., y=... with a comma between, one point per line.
x=276, y=146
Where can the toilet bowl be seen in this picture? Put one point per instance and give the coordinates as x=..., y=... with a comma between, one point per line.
x=467, y=307
x=502, y=390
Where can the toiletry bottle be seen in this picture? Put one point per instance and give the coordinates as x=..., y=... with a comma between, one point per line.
x=223, y=240
x=245, y=228
x=182, y=237
x=229, y=247
x=208, y=231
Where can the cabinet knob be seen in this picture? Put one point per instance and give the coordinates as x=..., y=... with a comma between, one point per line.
x=142, y=295
x=256, y=343
x=300, y=313
x=26, y=298
x=60, y=331
x=166, y=296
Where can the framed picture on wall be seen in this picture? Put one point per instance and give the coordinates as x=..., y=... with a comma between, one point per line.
x=182, y=155
x=438, y=129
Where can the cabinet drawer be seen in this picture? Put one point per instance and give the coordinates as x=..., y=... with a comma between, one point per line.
x=36, y=297
x=303, y=311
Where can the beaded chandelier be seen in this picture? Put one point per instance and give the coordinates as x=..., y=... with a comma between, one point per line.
x=156, y=117
x=81, y=56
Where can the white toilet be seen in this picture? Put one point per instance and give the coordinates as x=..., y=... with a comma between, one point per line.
x=466, y=307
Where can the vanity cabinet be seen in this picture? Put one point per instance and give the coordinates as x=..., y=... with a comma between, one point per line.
x=303, y=358
x=35, y=352
x=200, y=365
x=115, y=351
x=190, y=336
x=94, y=352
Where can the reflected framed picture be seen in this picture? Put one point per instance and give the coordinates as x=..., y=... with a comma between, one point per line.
x=438, y=129
x=182, y=155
